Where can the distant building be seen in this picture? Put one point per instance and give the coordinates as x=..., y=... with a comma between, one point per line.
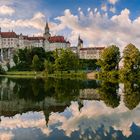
x=88, y=52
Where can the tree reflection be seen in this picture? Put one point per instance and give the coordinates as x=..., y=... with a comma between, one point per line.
x=131, y=93
x=109, y=93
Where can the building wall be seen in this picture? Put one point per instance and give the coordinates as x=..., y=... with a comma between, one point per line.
x=9, y=42
x=89, y=53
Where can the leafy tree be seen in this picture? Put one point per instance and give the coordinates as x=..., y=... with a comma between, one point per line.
x=49, y=67
x=36, y=63
x=40, y=52
x=23, y=58
x=88, y=64
x=2, y=71
x=50, y=56
x=66, y=60
x=15, y=59
x=110, y=58
x=8, y=66
x=131, y=56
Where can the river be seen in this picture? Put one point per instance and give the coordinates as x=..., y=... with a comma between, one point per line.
x=64, y=109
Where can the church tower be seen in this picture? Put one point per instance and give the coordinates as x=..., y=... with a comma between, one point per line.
x=47, y=31
x=80, y=42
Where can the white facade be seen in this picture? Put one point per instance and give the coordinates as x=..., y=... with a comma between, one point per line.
x=90, y=53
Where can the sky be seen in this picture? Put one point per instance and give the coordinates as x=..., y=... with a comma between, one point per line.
x=98, y=22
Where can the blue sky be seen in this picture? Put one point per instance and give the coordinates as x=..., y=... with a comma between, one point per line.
x=99, y=22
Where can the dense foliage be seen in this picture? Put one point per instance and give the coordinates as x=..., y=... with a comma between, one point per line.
x=131, y=56
x=110, y=58
x=24, y=57
x=59, y=60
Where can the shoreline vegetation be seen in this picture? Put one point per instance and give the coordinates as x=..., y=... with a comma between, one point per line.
x=33, y=74
x=63, y=63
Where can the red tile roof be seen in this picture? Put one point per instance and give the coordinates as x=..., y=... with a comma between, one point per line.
x=8, y=35
x=57, y=39
x=36, y=38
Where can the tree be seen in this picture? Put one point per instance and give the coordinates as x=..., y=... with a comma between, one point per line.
x=50, y=56
x=49, y=68
x=66, y=60
x=15, y=59
x=2, y=71
x=110, y=58
x=36, y=63
x=131, y=56
x=23, y=58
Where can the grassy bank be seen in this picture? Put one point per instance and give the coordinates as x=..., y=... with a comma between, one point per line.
x=71, y=75
x=33, y=74
x=23, y=74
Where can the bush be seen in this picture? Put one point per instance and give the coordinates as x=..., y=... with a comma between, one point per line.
x=2, y=71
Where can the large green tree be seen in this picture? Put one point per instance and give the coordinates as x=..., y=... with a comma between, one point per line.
x=66, y=60
x=110, y=58
x=131, y=59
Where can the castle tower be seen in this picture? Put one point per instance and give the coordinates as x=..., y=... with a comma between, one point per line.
x=47, y=31
x=80, y=42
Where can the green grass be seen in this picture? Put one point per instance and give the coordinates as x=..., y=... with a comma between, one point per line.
x=23, y=74
x=71, y=75
x=33, y=74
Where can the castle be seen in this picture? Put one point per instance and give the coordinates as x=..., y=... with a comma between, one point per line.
x=10, y=42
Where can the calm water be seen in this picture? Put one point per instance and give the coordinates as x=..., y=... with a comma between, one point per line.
x=36, y=109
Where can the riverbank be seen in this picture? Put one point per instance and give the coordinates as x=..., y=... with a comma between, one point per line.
x=33, y=74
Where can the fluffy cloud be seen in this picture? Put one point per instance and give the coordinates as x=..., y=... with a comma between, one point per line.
x=6, y=10
x=100, y=29
x=104, y=8
x=37, y=22
x=113, y=9
x=112, y=1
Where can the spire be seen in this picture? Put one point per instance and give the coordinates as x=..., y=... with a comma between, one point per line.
x=80, y=41
x=47, y=26
x=47, y=31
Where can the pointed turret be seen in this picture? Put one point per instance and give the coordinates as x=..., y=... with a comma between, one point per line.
x=80, y=42
x=47, y=31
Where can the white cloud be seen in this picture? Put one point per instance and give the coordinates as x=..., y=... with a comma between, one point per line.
x=99, y=29
x=104, y=7
x=36, y=22
x=6, y=10
x=112, y=1
x=113, y=9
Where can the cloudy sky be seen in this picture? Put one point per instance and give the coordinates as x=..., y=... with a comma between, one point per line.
x=99, y=22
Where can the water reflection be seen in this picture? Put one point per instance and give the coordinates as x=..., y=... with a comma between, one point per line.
x=69, y=109
x=131, y=94
x=108, y=92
